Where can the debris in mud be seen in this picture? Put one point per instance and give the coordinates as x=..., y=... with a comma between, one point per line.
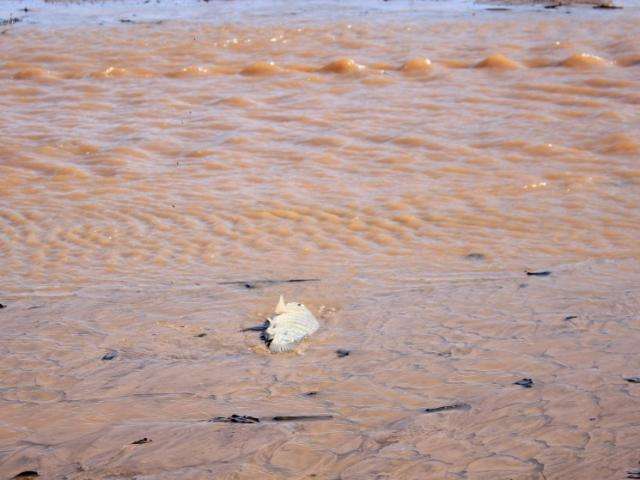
x=235, y=419
x=278, y=418
x=2, y=306
x=541, y=273
x=26, y=474
x=498, y=9
x=342, y=353
x=110, y=355
x=311, y=394
x=608, y=6
x=9, y=21
x=151, y=22
x=445, y=408
x=200, y=335
x=142, y=441
x=524, y=383
x=256, y=283
x=477, y=256
x=257, y=328
x=300, y=418
x=570, y=317
x=633, y=379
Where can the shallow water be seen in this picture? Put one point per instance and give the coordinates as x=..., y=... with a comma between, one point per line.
x=151, y=151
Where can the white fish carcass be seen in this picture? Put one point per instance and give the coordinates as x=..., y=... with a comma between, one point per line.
x=292, y=322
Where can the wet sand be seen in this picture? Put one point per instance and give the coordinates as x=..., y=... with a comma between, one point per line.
x=417, y=158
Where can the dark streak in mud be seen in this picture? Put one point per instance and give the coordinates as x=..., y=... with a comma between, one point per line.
x=255, y=283
x=542, y=273
x=142, y=441
x=301, y=418
x=257, y=328
x=26, y=474
x=278, y=418
x=110, y=355
x=446, y=408
x=235, y=419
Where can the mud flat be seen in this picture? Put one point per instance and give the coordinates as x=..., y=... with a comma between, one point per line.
x=451, y=190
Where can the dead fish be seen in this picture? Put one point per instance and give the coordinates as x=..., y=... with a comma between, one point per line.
x=292, y=322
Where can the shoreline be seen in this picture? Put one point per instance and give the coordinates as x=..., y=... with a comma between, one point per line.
x=110, y=12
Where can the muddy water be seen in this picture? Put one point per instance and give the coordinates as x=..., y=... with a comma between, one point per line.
x=151, y=152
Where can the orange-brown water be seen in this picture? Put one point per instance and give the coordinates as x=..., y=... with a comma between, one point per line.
x=372, y=146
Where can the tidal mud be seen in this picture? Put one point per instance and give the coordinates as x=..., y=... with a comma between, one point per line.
x=352, y=142
x=258, y=283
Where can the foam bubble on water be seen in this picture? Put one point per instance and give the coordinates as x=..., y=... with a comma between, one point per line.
x=111, y=72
